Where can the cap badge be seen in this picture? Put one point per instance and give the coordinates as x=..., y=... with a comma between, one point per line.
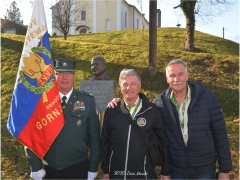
x=65, y=64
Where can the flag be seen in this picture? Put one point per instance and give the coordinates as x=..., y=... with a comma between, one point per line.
x=35, y=117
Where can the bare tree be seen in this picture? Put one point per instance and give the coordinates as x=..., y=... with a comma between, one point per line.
x=13, y=14
x=67, y=13
x=142, y=17
x=205, y=10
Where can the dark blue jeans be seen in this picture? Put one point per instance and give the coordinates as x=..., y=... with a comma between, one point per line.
x=209, y=174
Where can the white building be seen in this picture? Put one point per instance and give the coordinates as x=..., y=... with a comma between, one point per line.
x=107, y=15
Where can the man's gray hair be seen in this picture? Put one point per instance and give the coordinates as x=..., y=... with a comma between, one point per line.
x=177, y=61
x=128, y=72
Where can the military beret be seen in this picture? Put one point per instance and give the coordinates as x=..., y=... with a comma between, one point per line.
x=62, y=64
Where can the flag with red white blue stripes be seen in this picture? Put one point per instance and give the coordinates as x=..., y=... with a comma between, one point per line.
x=35, y=117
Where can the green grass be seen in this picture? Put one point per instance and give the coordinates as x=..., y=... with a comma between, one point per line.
x=215, y=64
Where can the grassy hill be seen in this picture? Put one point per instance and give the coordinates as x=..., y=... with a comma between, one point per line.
x=215, y=64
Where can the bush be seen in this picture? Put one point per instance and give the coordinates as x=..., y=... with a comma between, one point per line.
x=20, y=29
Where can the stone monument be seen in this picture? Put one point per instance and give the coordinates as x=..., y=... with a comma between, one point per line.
x=98, y=67
x=100, y=86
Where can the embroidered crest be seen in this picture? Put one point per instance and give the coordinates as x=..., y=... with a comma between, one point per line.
x=35, y=73
x=79, y=106
x=141, y=121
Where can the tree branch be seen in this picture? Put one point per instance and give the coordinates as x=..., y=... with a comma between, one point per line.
x=177, y=6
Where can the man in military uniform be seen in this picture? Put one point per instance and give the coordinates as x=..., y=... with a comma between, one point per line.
x=67, y=158
x=98, y=67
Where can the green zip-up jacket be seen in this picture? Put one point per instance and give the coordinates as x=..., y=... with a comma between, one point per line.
x=80, y=133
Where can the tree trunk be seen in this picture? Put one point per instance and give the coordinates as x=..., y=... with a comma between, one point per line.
x=188, y=10
x=152, y=36
x=65, y=36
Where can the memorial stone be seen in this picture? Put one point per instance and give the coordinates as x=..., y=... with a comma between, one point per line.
x=103, y=91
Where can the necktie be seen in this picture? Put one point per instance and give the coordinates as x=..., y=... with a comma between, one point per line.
x=64, y=102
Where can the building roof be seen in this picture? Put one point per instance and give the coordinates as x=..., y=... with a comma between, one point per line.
x=137, y=10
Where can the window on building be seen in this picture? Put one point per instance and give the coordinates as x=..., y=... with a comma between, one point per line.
x=108, y=25
x=83, y=15
x=137, y=23
x=125, y=19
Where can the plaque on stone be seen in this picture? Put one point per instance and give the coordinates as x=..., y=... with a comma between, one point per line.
x=103, y=91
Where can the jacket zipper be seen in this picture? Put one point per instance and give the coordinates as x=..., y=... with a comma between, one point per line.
x=110, y=161
x=186, y=156
x=142, y=112
x=129, y=131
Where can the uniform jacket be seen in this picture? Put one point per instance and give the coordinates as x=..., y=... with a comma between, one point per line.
x=81, y=132
x=124, y=154
x=207, y=134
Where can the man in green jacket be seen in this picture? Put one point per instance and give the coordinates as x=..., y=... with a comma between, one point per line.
x=67, y=158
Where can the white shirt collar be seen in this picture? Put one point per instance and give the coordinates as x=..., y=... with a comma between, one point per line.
x=134, y=103
x=67, y=95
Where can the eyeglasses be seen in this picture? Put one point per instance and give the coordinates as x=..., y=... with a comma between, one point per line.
x=67, y=74
x=125, y=85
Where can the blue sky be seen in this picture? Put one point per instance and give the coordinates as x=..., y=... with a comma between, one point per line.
x=170, y=17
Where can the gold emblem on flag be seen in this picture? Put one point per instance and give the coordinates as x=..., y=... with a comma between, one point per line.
x=36, y=69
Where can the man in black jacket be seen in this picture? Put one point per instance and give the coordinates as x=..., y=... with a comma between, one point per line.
x=194, y=125
x=124, y=154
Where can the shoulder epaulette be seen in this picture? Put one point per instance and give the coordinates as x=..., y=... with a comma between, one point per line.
x=84, y=92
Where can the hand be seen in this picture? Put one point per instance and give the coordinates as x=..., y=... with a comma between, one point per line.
x=92, y=175
x=105, y=177
x=223, y=176
x=113, y=103
x=38, y=175
x=162, y=177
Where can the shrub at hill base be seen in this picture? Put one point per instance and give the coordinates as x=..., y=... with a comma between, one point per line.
x=20, y=29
